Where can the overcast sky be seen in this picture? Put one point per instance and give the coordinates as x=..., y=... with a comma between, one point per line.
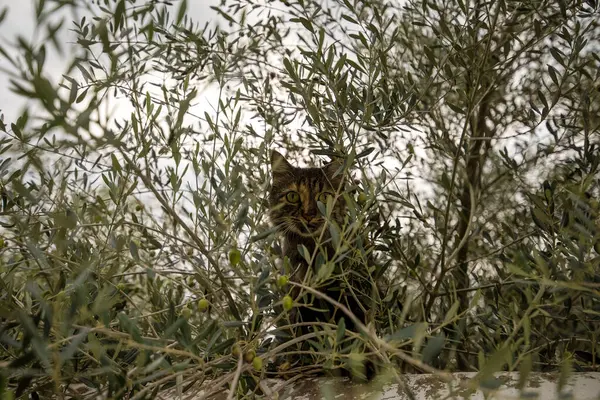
x=20, y=21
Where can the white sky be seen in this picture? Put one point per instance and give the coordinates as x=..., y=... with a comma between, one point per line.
x=20, y=21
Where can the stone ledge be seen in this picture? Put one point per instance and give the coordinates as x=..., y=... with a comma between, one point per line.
x=581, y=386
x=543, y=386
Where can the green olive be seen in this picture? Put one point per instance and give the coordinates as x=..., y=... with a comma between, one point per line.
x=203, y=305
x=234, y=257
x=288, y=303
x=249, y=356
x=257, y=363
x=236, y=350
x=362, y=198
x=282, y=280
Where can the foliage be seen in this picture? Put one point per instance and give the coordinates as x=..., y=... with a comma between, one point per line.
x=135, y=252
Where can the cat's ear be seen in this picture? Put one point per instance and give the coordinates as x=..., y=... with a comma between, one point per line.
x=279, y=165
x=334, y=168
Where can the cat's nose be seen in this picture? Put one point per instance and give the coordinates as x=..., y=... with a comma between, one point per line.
x=309, y=216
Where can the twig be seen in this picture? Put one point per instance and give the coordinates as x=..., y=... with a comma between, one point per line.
x=236, y=377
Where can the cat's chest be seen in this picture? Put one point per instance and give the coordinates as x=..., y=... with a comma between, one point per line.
x=303, y=252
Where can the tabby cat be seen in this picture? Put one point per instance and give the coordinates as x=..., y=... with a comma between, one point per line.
x=294, y=209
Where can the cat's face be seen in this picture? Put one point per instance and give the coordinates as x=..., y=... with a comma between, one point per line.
x=295, y=192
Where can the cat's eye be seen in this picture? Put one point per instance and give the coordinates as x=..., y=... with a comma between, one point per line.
x=292, y=197
x=322, y=197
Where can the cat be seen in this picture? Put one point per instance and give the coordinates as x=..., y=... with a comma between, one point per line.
x=294, y=210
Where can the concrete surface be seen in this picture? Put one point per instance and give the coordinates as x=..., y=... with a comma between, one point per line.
x=584, y=386
x=581, y=386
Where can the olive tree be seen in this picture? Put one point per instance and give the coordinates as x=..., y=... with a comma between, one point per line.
x=136, y=253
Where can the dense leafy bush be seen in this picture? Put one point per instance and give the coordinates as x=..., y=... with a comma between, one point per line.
x=135, y=252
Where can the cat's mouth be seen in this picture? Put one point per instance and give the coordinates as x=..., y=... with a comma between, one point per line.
x=301, y=227
x=304, y=228
x=309, y=228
